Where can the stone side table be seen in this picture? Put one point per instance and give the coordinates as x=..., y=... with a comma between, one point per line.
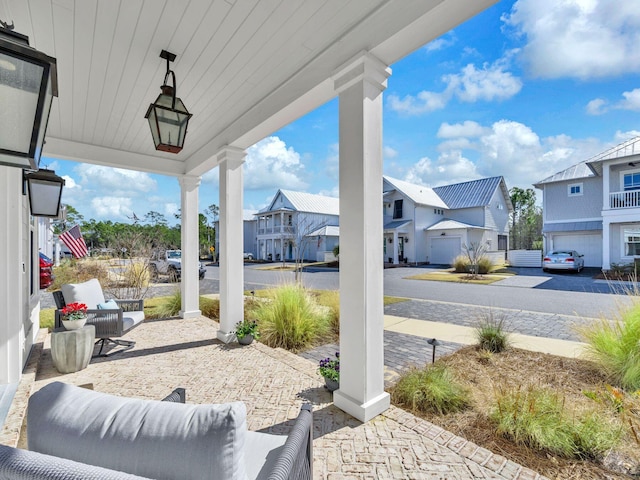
x=71, y=350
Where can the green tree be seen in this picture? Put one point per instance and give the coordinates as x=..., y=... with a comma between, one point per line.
x=526, y=219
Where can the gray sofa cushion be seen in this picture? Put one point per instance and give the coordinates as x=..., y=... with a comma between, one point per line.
x=16, y=464
x=262, y=451
x=130, y=319
x=149, y=438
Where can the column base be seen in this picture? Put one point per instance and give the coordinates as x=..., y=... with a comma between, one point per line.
x=190, y=313
x=226, y=337
x=362, y=411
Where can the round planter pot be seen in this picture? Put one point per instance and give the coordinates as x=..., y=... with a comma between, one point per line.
x=73, y=324
x=246, y=340
x=331, y=385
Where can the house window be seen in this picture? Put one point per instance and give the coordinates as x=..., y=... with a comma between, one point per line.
x=502, y=242
x=574, y=189
x=631, y=181
x=397, y=209
x=632, y=241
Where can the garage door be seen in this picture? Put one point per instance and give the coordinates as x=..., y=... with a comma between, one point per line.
x=588, y=245
x=444, y=249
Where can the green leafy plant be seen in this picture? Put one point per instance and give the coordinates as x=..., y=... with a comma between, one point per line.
x=330, y=368
x=431, y=389
x=627, y=405
x=537, y=418
x=613, y=346
x=247, y=327
x=490, y=333
x=290, y=318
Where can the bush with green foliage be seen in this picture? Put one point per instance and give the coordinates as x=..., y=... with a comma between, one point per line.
x=614, y=345
x=462, y=264
x=491, y=334
x=433, y=388
x=247, y=327
x=291, y=318
x=170, y=306
x=537, y=418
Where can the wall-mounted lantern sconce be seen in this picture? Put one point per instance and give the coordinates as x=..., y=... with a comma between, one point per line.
x=168, y=117
x=406, y=240
x=28, y=83
x=391, y=240
x=45, y=193
x=443, y=234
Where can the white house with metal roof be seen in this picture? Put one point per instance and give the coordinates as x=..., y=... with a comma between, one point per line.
x=423, y=224
x=594, y=207
x=294, y=226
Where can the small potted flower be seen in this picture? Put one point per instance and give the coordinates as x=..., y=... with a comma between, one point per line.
x=74, y=316
x=247, y=331
x=330, y=370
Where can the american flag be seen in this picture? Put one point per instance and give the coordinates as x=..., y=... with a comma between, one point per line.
x=72, y=238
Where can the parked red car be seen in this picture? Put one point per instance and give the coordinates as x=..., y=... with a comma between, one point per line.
x=46, y=271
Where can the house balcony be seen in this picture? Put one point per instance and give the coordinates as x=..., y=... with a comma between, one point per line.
x=626, y=199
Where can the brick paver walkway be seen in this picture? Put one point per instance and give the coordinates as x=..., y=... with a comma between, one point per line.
x=274, y=383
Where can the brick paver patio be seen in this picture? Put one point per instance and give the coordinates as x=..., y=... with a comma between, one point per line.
x=273, y=383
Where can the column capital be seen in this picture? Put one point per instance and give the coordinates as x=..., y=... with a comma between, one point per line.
x=189, y=182
x=364, y=67
x=234, y=156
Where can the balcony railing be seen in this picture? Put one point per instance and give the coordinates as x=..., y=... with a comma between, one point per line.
x=628, y=199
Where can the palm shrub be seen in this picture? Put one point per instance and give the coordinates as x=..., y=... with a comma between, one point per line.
x=537, y=418
x=491, y=334
x=615, y=347
x=291, y=318
x=433, y=388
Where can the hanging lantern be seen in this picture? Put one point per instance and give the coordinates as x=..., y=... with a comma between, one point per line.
x=168, y=117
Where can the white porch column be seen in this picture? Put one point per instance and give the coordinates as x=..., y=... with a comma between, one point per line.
x=360, y=84
x=606, y=238
x=189, y=286
x=12, y=275
x=395, y=247
x=231, y=244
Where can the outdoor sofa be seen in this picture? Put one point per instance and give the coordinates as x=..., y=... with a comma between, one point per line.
x=78, y=434
x=111, y=319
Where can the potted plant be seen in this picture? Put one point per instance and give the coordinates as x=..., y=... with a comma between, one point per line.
x=74, y=316
x=330, y=370
x=247, y=331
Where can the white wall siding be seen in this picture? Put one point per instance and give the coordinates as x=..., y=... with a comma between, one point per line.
x=497, y=214
x=472, y=216
x=525, y=258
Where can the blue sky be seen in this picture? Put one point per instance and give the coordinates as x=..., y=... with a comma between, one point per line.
x=524, y=90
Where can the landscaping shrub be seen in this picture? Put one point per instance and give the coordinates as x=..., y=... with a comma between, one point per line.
x=460, y=264
x=615, y=347
x=537, y=418
x=485, y=265
x=490, y=332
x=169, y=306
x=433, y=388
x=210, y=308
x=331, y=300
x=74, y=271
x=291, y=318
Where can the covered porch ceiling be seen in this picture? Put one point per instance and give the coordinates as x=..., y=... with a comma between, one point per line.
x=244, y=68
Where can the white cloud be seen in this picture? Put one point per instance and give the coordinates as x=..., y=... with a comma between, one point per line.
x=271, y=164
x=441, y=43
x=578, y=38
x=114, y=208
x=117, y=181
x=451, y=167
x=492, y=82
x=170, y=210
x=631, y=100
x=389, y=152
x=597, y=106
x=467, y=128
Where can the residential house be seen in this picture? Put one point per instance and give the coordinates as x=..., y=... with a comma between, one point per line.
x=423, y=224
x=594, y=207
x=294, y=226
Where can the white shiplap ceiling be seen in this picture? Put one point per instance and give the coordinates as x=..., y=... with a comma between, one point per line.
x=244, y=68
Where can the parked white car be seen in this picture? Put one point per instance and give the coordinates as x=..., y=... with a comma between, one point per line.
x=568, y=260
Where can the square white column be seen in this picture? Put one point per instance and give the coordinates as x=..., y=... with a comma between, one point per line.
x=231, y=243
x=360, y=84
x=189, y=281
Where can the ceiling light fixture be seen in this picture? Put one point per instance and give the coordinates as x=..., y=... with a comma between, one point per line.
x=168, y=117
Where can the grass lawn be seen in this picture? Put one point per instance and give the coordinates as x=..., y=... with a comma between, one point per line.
x=451, y=276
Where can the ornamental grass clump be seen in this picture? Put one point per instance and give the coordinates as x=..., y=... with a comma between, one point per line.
x=291, y=318
x=537, y=418
x=491, y=334
x=614, y=345
x=433, y=388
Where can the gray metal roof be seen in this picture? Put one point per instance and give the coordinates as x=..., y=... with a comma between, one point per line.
x=476, y=193
x=630, y=148
x=417, y=193
x=447, y=224
x=307, y=202
x=573, y=226
x=396, y=224
x=574, y=172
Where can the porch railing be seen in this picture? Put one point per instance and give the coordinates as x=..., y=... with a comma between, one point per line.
x=628, y=199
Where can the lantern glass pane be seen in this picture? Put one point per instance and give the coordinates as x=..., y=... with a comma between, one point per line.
x=44, y=197
x=20, y=82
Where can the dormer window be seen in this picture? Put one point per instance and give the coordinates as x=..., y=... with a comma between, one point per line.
x=575, y=189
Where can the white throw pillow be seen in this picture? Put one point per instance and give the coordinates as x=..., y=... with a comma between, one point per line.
x=89, y=293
